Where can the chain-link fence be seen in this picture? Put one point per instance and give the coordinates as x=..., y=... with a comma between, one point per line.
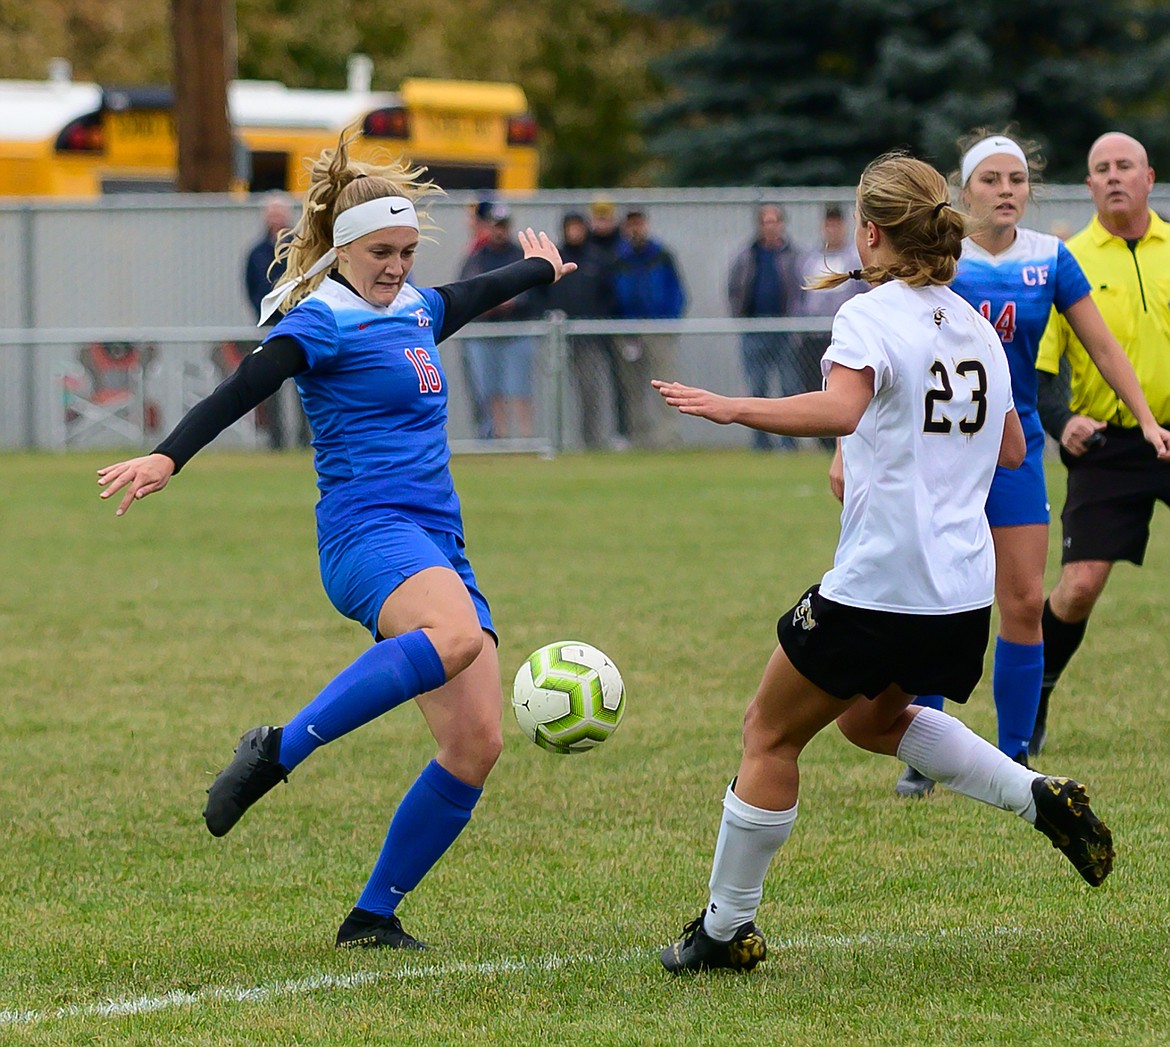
x=548, y=386
x=116, y=314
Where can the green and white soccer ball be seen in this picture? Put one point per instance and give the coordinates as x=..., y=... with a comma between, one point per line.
x=568, y=697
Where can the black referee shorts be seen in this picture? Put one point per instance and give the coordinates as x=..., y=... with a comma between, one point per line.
x=849, y=651
x=1112, y=490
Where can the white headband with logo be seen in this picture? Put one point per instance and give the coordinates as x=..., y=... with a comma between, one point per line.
x=387, y=212
x=984, y=148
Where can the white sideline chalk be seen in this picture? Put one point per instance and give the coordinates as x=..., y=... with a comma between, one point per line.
x=134, y=1005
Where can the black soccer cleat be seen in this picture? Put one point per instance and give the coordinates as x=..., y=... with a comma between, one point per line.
x=912, y=784
x=698, y=951
x=254, y=770
x=1064, y=816
x=367, y=930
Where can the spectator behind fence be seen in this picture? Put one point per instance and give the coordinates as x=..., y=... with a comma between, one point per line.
x=837, y=254
x=647, y=286
x=606, y=233
x=479, y=231
x=765, y=281
x=501, y=368
x=589, y=295
x=260, y=274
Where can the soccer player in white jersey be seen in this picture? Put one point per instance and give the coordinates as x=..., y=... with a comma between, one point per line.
x=361, y=343
x=917, y=385
x=1015, y=277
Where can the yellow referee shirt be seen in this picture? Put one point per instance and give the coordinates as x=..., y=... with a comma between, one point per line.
x=1131, y=286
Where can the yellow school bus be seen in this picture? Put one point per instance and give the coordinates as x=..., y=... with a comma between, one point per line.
x=60, y=138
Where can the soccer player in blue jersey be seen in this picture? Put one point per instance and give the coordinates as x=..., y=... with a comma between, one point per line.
x=361, y=343
x=1015, y=277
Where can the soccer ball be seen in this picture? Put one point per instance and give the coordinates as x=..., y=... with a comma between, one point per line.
x=568, y=697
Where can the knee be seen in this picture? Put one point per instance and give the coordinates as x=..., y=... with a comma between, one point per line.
x=472, y=754
x=1077, y=594
x=764, y=738
x=1021, y=608
x=458, y=645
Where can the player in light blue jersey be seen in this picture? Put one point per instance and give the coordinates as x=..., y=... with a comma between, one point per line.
x=361, y=343
x=1015, y=277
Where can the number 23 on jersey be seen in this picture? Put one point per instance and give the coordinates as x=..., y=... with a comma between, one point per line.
x=974, y=373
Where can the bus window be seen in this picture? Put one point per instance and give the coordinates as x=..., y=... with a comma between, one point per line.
x=451, y=177
x=268, y=170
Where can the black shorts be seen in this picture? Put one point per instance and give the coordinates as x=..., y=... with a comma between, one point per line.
x=849, y=651
x=1112, y=490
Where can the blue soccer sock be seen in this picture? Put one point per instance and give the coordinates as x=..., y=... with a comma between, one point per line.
x=1015, y=683
x=930, y=701
x=432, y=813
x=391, y=672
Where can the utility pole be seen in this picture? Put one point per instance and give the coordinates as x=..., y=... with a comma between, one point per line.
x=200, y=33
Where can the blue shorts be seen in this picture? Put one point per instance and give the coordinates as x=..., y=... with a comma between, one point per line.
x=1019, y=496
x=364, y=565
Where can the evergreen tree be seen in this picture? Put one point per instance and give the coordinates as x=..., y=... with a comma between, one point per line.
x=803, y=92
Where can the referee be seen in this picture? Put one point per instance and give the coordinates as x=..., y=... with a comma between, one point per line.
x=1114, y=474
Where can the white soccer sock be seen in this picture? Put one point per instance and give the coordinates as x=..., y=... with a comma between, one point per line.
x=947, y=750
x=748, y=838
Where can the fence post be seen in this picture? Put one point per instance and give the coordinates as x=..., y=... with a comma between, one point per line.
x=558, y=377
x=28, y=318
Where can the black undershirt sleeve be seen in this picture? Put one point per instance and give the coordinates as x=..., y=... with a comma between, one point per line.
x=1053, y=393
x=259, y=375
x=468, y=299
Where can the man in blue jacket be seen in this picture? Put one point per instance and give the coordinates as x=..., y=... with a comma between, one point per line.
x=647, y=286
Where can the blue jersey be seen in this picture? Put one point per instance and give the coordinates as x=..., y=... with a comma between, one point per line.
x=1016, y=290
x=376, y=397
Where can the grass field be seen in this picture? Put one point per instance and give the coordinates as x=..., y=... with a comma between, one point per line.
x=135, y=651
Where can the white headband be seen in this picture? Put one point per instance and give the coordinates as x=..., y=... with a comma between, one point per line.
x=984, y=148
x=387, y=212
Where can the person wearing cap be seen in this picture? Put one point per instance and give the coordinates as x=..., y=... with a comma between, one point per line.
x=647, y=286
x=604, y=229
x=588, y=296
x=1017, y=277
x=605, y=233
x=501, y=367
x=764, y=280
x=836, y=254
x=361, y=343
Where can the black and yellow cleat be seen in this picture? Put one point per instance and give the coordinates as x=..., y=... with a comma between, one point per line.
x=367, y=930
x=698, y=951
x=1063, y=815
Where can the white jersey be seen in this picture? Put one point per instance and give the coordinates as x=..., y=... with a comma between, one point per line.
x=914, y=537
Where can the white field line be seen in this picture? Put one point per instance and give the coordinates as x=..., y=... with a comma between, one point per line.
x=134, y=1005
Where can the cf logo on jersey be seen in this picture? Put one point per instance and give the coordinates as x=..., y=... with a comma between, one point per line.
x=803, y=615
x=1035, y=275
x=421, y=316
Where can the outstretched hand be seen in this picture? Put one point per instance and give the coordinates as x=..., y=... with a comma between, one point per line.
x=700, y=402
x=141, y=476
x=538, y=245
